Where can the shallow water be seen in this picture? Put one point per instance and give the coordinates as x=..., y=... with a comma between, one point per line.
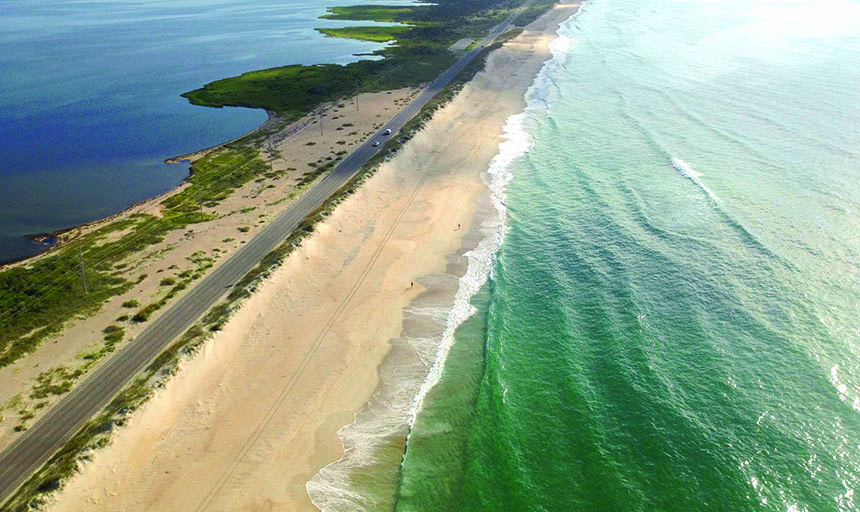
x=90, y=105
x=672, y=320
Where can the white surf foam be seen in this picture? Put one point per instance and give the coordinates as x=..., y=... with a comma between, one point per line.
x=517, y=142
x=687, y=171
x=331, y=489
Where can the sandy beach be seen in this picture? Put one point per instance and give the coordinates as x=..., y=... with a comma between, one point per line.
x=252, y=417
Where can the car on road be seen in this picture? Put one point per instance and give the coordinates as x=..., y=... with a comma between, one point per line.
x=375, y=143
x=386, y=132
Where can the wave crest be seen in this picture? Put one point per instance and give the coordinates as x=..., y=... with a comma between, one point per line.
x=385, y=417
x=687, y=171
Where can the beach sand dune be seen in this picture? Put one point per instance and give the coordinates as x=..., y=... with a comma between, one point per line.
x=254, y=415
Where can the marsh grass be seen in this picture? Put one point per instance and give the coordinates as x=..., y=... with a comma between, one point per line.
x=38, y=299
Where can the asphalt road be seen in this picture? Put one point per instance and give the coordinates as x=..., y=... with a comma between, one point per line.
x=46, y=436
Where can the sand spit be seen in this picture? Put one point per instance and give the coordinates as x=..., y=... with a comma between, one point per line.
x=253, y=416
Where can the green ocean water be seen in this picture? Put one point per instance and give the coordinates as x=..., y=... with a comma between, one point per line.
x=673, y=319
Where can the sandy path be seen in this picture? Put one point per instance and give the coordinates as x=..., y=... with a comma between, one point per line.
x=248, y=421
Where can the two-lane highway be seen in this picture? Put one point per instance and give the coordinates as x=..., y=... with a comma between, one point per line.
x=47, y=435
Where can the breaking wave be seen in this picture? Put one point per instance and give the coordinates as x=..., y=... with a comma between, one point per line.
x=687, y=171
x=416, y=363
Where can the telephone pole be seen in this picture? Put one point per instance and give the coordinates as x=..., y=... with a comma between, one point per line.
x=199, y=198
x=388, y=73
x=357, y=92
x=83, y=271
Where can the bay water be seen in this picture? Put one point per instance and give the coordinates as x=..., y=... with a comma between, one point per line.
x=90, y=105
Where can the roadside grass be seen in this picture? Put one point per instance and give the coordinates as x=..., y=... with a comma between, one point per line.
x=186, y=277
x=60, y=380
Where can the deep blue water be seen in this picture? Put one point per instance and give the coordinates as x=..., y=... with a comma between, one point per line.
x=90, y=105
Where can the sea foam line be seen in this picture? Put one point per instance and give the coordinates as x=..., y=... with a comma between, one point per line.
x=517, y=142
x=331, y=489
x=687, y=171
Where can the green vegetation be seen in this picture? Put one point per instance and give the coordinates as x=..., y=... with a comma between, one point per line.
x=97, y=431
x=60, y=380
x=384, y=13
x=376, y=33
x=133, y=303
x=113, y=334
x=419, y=55
x=39, y=298
x=202, y=262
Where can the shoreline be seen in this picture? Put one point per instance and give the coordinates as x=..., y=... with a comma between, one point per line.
x=265, y=129
x=366, y=441
x=261, y=405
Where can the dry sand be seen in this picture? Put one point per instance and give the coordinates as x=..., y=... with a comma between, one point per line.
x=250, y=206
x=252, y=417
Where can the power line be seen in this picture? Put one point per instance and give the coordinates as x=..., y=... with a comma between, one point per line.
x=83, y=270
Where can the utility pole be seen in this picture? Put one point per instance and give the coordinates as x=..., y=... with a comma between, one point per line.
x=388, y=73
x=321, y=122
x=83, y=271
x=357, y=92
x=199, y=199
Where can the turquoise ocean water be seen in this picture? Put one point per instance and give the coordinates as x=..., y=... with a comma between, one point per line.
x=673, y=318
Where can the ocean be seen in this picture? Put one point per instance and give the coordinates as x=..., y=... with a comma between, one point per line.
x=90, y=105
x=671, y=316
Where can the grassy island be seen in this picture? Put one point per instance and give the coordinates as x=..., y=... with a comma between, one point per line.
x=376, y=34
x=418, y=53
